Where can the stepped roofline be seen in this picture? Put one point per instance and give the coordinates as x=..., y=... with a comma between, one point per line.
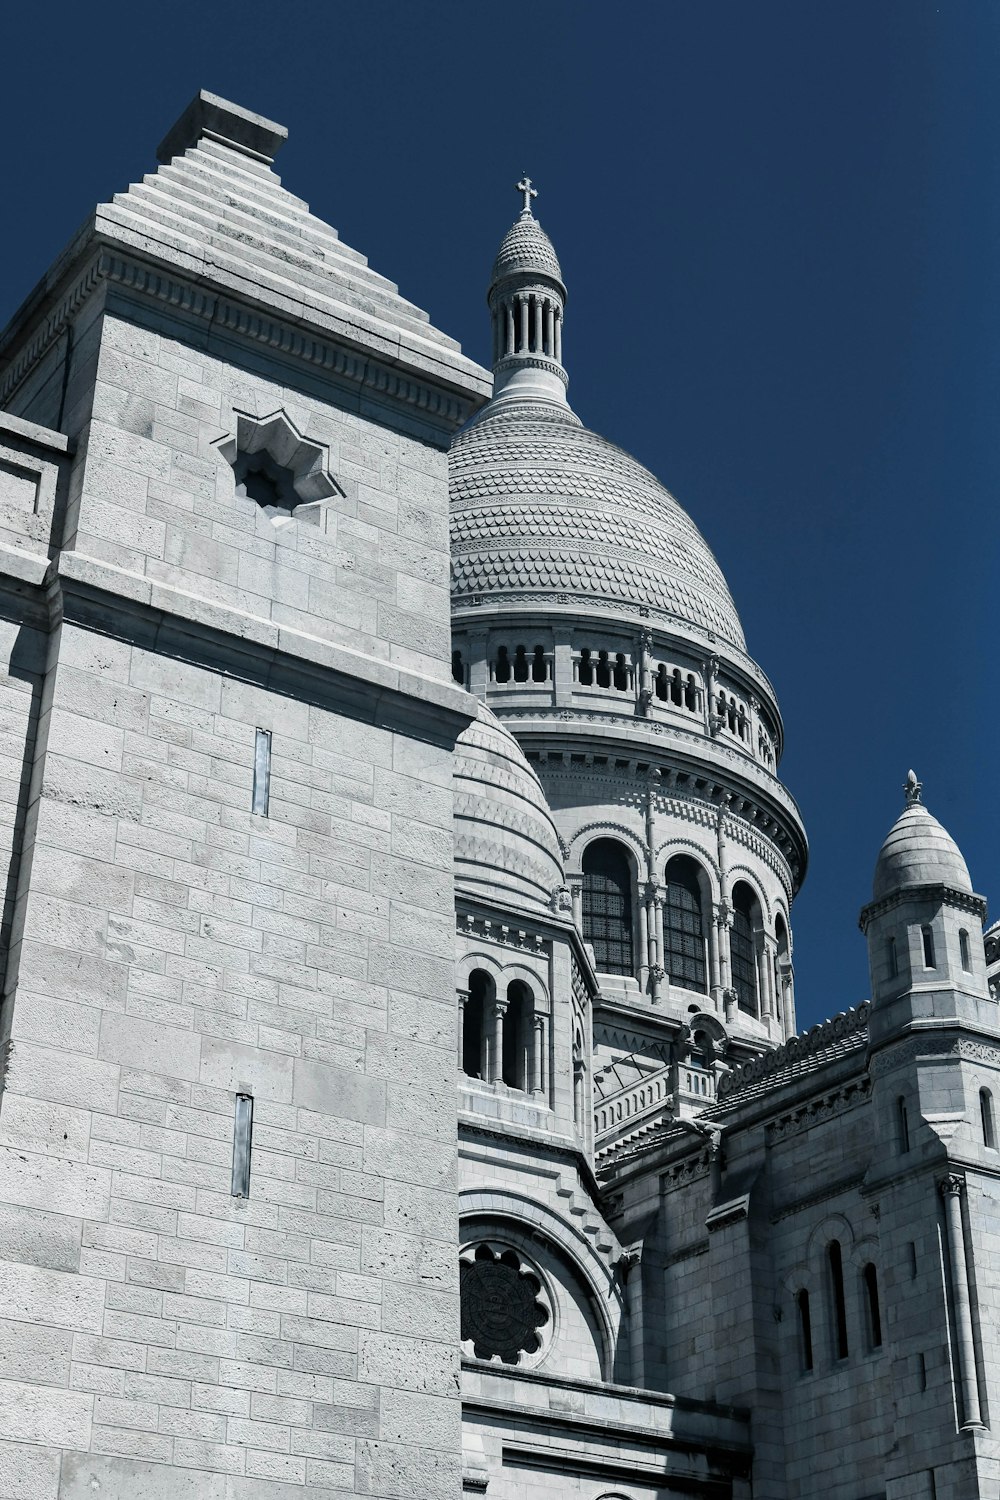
x=213, y=236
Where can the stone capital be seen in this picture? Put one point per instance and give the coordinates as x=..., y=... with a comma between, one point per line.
x=952, y=1185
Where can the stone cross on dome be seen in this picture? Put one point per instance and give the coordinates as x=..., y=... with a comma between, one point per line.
x=913, y=788
x=524, y=186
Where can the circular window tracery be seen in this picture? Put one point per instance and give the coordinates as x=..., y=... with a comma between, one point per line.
x=505, y=1307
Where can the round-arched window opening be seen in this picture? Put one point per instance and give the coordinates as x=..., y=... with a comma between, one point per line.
x=504, y=1304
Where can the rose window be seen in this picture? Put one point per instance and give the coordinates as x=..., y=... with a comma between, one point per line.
x=504, y=1305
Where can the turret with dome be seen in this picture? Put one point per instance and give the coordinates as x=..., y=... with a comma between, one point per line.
x=591, y=616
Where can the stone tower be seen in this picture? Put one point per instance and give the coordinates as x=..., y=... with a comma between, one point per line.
x=228, y=1218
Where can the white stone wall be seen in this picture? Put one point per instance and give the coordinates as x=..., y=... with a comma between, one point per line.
x=175, y=949
x=153, y=495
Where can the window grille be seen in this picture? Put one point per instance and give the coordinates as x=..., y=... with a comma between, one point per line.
x=743, y=951
x=607, y=906
x=683, y=927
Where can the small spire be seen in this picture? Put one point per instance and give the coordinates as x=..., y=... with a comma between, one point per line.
x=913, y=788
x=524, y=186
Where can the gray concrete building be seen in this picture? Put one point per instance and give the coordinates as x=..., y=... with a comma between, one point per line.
x=402, y=1093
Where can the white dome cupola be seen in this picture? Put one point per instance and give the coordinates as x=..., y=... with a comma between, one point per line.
x=527, y=298
x=590, y=614
x=924, y=926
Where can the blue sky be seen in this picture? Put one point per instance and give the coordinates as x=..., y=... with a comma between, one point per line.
x=779, y=226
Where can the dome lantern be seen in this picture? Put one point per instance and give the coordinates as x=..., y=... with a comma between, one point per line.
x=527, y=297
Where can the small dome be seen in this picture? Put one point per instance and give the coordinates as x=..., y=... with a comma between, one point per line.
x=526, y=250
x=506, y=846
x=918, y=851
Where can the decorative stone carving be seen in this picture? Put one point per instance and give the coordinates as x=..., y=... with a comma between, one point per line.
x=503, y=1304
x=286, y=473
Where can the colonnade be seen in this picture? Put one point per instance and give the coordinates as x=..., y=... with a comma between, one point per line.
x=531, y=1043
x=527, y=323
x=773, y=988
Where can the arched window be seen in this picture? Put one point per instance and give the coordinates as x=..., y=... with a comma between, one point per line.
x=622, y=673
x=691, y=693
x=988, y=1122
x=782, y=967
x=805, y=1329
x=835, y=1265
x=458, y=668
x=586, y=669
x=902, y=1126
x=927, y=939
x=661, y=683
x=676, y=693
x=501, y=667
x=870, y=1277
x=474, y=1018
x=743, y=947
x=964, y=950
x=520, y=664
x=683, y=925
x=579, y=1075
x=603, y=670
x=891, y=958
x=516, y=1034
x=607, y=905
x=539, y=666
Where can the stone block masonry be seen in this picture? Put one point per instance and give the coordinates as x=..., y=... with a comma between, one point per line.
x=177, y=937
x=171, y=950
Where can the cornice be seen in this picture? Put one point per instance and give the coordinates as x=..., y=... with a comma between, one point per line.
x=441, y=405
x=935, y=1043
x=948, y=894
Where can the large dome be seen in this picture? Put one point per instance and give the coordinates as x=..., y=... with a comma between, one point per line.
x=543, y=508
x=506, y=845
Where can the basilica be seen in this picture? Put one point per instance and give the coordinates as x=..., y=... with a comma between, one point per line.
x=402, y=1094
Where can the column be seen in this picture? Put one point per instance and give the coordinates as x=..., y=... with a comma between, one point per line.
x=539, y=1079
x=558, y=354
x=714, y=965
x=576, y=896
x=645, y=670
x=763, y=988
x=523, y=346
x=643, y=975
x=659, y=973
x=549, y=328
x=493, y=1071
x=952, y=1188
x=508, y=317
x=538, y=324
x=463, y=997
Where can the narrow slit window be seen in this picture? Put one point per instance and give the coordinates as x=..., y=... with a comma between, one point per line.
x=241, y=1145
x=927, y=938
x=903, y=1126
x=874, y=1313
x=839, y=1309
x=262, y=772
x=891, y=959
x=805, y=1329
x=964, y=951
x=986, y=1115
